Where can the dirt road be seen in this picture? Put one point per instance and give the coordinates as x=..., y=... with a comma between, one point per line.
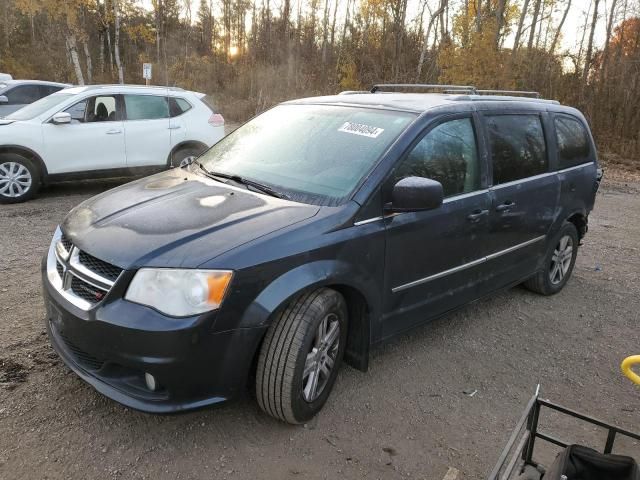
x=408, y=417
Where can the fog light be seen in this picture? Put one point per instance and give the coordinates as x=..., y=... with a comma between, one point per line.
x=151, y=382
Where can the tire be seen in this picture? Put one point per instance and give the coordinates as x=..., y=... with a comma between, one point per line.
x=283, y=389
x=558, y=263
x=184, y=154
x=19, y=178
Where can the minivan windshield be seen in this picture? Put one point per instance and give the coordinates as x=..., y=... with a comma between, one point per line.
x=314, y=154
x=38, y=107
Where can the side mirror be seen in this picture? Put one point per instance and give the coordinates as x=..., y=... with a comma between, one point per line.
x=4, y=99
x=416, y=193
x=61, y=118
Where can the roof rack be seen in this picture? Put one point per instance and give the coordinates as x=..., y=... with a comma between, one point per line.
x=509, y=92
x=447, y=88
x=455, y=89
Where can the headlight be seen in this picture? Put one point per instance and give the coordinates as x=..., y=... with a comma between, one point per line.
x=179, y=293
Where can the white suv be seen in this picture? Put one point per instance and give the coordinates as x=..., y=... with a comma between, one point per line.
x=102, y=131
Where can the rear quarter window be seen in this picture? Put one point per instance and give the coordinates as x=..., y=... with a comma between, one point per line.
x=517, y=145
x=574, y=146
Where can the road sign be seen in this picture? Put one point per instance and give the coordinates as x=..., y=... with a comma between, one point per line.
x=146, y=71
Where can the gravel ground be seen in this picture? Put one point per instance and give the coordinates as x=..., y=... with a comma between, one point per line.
x=410, y=416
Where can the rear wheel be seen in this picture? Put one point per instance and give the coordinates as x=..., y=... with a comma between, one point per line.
x=19, y=178
x=559, y=262
x=301, y=355
x=185, y=156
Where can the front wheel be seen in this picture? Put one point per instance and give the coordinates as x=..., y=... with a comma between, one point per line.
x=19, y=179
x=558, y=264
x=301, y=355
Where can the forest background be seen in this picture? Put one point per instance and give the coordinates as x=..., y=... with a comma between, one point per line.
x=251, y=54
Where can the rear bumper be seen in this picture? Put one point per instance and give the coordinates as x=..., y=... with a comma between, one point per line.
x=113, y=345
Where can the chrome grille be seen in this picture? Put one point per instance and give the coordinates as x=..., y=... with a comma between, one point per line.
x=81, y=278
x=66, y=243
x=86, y=291
x=98, y=266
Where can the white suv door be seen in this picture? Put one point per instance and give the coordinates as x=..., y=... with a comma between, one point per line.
x=147, y=133
x=94, y=140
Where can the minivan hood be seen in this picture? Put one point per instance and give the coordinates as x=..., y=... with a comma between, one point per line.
x=176, y=219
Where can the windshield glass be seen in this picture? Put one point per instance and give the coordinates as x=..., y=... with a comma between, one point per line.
x=312, y=153
x=38, y=107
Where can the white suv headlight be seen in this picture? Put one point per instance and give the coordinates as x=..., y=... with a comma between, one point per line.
x=179, y=293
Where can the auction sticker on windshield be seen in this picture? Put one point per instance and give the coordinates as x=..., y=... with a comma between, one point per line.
x=361, y=129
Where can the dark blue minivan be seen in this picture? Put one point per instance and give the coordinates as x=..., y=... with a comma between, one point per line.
x=313, y=232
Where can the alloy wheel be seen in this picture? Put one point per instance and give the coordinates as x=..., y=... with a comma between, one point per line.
x=15, y=179
x=561, y=260
x=187, y=161
x=321, y=359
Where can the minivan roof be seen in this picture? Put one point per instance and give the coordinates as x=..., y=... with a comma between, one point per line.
x=421, y=102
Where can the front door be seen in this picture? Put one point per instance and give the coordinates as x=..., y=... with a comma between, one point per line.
x=94, y=140
x=524, y=195
x=435, y=259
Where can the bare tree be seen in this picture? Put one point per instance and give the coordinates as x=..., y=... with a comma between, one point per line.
x=523, y=15
x=534, y=22
x=116, y=40
x=587, y=59
x=552, y=49
x=72, y=48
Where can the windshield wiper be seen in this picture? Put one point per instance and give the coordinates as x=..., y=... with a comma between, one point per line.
x=245, y=181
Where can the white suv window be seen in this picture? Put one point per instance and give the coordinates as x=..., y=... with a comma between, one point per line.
x=146, y=107
x=103, y=108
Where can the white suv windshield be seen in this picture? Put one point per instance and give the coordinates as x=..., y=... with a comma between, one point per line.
x=38, y=107
x=312, y=153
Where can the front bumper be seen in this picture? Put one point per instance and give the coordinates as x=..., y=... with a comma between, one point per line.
x=114, y=344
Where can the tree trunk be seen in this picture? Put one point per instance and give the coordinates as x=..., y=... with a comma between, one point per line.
x=72, y=48
x=87, y=56
x=587, y=59
x=425, y=42
x=344, y=35
x=534, y=22
x=478, y=15
x=499, y=20
x=101, y=54
x=559, y=30
x=116, y=38
x=325, y=32
x=605, y=50
x=523, y=14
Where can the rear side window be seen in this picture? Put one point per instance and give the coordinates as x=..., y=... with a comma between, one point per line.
x=517, y=146
x=48, y=90
x=178, y=106
x=573, y=142
x=146, y=107
x=23, y=94
x=448, y=155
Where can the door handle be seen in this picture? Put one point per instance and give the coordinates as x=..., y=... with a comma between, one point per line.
x=174, y=127
x=476, y=215
x=114, y=131
x=503, y=207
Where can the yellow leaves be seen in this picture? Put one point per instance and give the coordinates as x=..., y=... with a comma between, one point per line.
x=140, y=32
x=349, y=76
x=56, y=9
x=478, y=63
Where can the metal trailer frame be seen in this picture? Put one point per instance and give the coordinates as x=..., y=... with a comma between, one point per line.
x=525, y=439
